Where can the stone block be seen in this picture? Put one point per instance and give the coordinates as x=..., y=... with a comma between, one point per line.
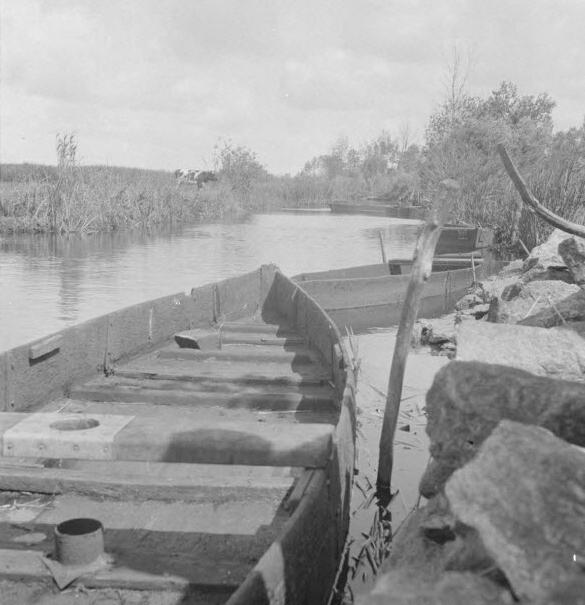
x=572, y=251
x=524, y=493
x=467, y=400
x=531, y=299
x=552, y=353
x=571, y=308
x=399, y=587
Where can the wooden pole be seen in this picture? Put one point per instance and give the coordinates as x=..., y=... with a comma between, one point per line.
x=421, y=271
x=529, y=199
x=384, y=260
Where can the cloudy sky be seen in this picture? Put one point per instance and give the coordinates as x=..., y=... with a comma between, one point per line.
x=156, y=83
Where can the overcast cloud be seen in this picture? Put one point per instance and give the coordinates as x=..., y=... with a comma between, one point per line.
x=156, y=83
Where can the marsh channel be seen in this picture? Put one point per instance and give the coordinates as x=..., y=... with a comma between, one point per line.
x=50, y=282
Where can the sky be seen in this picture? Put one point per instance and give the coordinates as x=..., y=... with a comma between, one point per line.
x=159, y=83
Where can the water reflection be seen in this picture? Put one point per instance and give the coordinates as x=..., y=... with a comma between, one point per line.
x=48, y=282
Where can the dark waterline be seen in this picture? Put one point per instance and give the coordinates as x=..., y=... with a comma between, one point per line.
x=50, y=282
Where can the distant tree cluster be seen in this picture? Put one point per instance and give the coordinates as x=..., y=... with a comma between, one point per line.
x=459, y=143
x=384, y=167
x=461, y=139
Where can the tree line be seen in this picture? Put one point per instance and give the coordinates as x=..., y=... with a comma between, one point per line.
x=459, y=143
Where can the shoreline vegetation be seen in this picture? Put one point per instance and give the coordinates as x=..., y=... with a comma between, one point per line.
x=459, y=143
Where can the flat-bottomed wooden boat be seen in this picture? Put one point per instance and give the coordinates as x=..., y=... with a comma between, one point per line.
x=220, y=474
x=371, y=296
x=378, y=209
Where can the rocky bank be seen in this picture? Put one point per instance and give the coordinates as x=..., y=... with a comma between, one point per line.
x=504, y=518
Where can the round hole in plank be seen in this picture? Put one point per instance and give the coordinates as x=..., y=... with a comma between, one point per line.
x=79, y=527
x=75, y=424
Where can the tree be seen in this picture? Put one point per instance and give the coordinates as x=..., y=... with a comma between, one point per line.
x=239, y=166
x=461, y=140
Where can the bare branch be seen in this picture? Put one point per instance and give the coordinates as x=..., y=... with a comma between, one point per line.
x=532, y=203
x=421, y=271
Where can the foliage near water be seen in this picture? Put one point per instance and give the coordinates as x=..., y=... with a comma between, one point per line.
x=460, y=143
x=73, y=198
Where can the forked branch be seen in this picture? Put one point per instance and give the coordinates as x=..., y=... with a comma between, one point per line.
x=529, y=199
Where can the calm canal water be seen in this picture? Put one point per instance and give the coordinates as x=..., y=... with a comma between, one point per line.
x=48, y=282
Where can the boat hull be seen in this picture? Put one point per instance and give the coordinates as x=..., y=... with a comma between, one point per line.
x=375, y=302
x=369, y=296
x=378, y=209
x=229, y=476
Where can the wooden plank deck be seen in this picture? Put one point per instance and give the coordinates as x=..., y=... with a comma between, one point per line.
x=210, y=469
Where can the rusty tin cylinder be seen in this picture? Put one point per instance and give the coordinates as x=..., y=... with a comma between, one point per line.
x=79, y=541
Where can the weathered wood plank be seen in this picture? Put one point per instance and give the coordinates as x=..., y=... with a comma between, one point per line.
x=228, y=395
x=282, y=329
x=213, y=582
x=262, y=339
x=147, y=481
x=306, y=445
x=192, y=414
x=176, y=440
x=222, y=373
x=307, y=551
x=243, y=352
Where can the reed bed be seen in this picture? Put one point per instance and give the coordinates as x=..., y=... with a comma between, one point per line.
x=98, y=198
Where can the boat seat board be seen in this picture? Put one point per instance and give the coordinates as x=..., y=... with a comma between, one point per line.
x=241, y=352
x=224, y=372
x=261, y=339
x=158, y=546
x=164, y=538
x=171, y=438
x=236, y=520
x=33, y=578
x=146, y=480
x=258, y=327
x=194, y=415
x=228, y=395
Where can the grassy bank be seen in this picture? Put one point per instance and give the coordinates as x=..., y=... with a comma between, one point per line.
x=460, y=144
x=99, y=198
x=85, y=199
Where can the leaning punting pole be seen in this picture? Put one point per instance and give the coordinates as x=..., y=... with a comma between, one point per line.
x=421, y=271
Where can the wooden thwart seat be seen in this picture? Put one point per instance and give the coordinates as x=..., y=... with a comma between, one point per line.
x=175, y=393
x=172, y=438
x=145, y=480
x=216, y=538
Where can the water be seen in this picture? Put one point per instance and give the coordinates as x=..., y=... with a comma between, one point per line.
x=49, y=282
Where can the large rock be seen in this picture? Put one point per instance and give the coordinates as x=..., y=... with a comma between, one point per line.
x=532, y=299
x=467, y=400
x=571, y=592
x=572, y=251
x=574, y=326
x=525, y=494
x=401, y=587
x=571, y=308
x=513, y=268
x=547, y=254
x=553, y=353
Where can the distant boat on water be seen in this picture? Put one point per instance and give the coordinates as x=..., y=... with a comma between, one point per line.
x=377, y=208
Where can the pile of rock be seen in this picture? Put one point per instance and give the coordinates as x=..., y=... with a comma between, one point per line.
x=545, y=290
x=505, y=517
